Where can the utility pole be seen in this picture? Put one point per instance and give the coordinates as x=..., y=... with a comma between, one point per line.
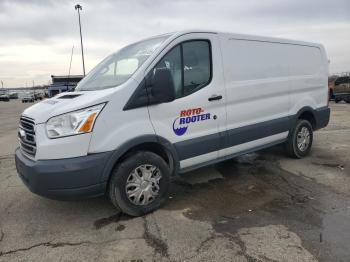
x=70, y=66
x=70, y=63
x=2, y=84
x=79, y=7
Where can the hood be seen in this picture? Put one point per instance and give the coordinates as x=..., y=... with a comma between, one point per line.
x=64, y=103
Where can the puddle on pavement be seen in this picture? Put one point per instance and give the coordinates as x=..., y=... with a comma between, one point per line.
x=246, y=186
x=238, y=191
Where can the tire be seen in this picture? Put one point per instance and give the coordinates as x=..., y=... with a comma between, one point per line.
x=291, y=146
x=337, y=100
x=126, y=170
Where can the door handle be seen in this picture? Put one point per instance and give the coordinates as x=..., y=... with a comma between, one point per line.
x=215, y=97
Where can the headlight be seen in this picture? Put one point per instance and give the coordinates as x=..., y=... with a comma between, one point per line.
x=73, y=123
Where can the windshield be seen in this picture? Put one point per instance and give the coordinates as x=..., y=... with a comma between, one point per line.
x=120, y=66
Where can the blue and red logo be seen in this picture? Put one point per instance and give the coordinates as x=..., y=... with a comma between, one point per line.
x=188, y=117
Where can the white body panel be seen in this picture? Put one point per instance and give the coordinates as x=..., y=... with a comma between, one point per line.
x=114, y=126
x=308, y=79
x=255, y=86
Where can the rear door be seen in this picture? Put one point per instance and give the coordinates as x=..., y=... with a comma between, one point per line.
x=193, y=122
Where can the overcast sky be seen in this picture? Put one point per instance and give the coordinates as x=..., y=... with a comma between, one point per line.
x=36, y=36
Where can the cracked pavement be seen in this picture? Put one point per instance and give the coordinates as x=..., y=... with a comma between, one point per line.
x=258, y=207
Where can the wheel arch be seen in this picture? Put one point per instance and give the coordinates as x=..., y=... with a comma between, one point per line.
x=307, y=113
x=318, y=117
x=152, y=143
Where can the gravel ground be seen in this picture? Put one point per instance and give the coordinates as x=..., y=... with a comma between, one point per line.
x=258, y=207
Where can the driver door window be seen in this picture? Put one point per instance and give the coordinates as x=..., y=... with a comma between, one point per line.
x=196, y=66
x=190, y=66
x=172, y=61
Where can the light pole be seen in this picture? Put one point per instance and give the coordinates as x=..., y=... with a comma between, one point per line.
x=79, y=7
x=70, y=66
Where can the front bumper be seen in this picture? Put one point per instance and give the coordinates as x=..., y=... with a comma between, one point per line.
x=64, y=179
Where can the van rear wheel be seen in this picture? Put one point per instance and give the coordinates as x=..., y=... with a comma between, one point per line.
x=140, y=184
x=300, y=139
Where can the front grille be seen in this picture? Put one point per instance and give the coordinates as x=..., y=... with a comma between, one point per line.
x=26, y=135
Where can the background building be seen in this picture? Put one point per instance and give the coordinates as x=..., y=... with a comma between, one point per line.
x=63, y=84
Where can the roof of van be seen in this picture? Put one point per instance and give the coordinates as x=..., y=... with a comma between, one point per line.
x=248, y=37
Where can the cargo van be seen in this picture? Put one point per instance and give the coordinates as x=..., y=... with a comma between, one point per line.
x=170, y=104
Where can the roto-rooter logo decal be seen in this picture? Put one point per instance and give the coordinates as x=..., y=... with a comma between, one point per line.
x=188, y=117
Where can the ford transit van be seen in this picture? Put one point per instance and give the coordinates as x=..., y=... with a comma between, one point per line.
x=167, y=105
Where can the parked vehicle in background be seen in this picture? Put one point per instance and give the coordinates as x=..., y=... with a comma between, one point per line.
x=170, y=104
x=13, y=95
x=38, y=96
x=341, y=89
x=4, y=97
x=28, y=98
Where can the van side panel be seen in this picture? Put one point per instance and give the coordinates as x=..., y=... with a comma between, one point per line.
x=257, y=87
x=308, y=78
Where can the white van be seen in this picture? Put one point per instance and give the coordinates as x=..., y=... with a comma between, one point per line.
x=170, y=104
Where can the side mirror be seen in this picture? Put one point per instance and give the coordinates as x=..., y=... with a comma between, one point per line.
x=162, y=89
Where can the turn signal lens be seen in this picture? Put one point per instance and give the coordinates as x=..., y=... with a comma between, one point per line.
x=87, y=126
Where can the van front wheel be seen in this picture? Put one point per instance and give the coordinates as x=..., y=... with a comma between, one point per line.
x=140, y=183
x=300, y=139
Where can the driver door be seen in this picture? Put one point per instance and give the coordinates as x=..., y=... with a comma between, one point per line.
x=195, y=121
